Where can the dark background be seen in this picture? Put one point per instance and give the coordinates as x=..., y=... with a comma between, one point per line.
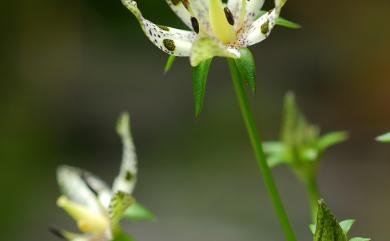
x=68, y=68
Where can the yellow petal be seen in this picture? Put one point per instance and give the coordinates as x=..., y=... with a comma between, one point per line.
x=222, y=29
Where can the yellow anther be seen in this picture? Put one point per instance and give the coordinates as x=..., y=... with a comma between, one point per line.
x=219, y=23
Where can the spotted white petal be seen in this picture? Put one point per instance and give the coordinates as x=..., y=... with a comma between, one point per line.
x=170, y=40
x=260, y=29
x=253, y=9
x=127, y=177
x=235, y=8
x=99, y=187
x=73, y=186
x=118, y=205
x=181, y=11
x=200, y=11
x=206, y=48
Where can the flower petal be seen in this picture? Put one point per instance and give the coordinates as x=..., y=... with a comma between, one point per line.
x=260, y=29
x=181, y=11
x=253, y=9
x=170, y=40
x=200, y=10
x=205, y=48
x=75, y=188
x=127, y=177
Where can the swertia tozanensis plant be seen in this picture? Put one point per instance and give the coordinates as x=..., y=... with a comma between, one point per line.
x=97, y=208
x=226, y=31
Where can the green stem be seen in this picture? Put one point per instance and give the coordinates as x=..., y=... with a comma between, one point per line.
x=314, y=196
x=259, y=152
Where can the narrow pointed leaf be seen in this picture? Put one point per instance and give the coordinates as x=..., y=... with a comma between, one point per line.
x=169, y=64
x=331, y=139
x=199, y=75
x=384, y=138
x=138, y=212
x=360, y=239
x=247, y=68
x=346, y=225
x=287, y=23
x=327, y=227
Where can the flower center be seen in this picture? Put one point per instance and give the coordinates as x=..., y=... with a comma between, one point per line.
x=222, y=21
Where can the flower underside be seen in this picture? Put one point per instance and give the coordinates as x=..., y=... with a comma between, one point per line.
x=216, y=28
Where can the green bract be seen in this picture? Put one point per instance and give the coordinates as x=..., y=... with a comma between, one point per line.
x=301, y=145
x=327, y=228
x=97, y=208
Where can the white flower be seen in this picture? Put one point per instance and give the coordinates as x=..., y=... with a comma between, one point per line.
x=217, y=29
x=97, y=208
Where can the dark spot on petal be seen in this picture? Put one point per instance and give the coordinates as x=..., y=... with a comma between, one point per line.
x=265, y=28
x=129, y=176
x=195, y=24
x=229, y=16
x=169, y=44
x=165, y=28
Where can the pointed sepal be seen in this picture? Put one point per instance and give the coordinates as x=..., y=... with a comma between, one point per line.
x=199, y=78
x=169, y=64
x=138, y=212
x=247, y=68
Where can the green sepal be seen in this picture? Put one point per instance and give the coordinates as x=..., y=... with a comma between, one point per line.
x=384, y=138
x=247, y=68
x=327, y=227
x=276, y=152
x=170, y=61
x=121, y=236
x=199, y=78
x=138, y=212
x=287, y=23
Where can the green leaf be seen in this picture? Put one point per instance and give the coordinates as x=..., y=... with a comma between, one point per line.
x=287, y=23
x=170, y=61
x=327, y=227
x=138, y=212
x=199, y=76
x=360, y=239
x=346, y=225
x=247, y=68
x=384, y=138
x=331, y=139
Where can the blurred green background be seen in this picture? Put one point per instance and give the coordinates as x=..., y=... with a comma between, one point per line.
x=68, y=68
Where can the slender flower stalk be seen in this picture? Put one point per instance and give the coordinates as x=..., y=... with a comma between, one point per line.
x=259, y=152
